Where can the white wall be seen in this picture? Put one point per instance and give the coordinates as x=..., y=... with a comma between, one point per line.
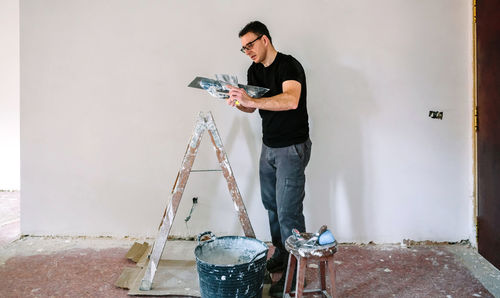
x=106, y=115
x=9, y=95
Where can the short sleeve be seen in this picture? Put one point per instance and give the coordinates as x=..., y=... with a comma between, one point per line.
x=291, y=70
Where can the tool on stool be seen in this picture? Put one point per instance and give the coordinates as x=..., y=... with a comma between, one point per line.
x=326, y=238
x=322, y=237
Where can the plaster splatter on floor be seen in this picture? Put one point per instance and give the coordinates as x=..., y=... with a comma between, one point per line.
x=88, y=267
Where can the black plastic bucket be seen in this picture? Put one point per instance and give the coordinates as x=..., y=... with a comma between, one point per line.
x=230, y=266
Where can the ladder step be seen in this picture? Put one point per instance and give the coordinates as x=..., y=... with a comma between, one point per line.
x=206, y=171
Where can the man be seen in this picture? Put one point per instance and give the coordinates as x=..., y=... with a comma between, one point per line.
x=286, y=145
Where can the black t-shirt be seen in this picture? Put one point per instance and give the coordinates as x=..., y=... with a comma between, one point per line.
x=281, y=128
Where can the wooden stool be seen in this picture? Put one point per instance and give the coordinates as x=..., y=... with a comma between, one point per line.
x=305, y=255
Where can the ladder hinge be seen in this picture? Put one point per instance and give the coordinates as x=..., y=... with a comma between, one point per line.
x=476, y=124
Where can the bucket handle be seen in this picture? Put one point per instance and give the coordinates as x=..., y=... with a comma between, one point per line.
x=212, y=237
x=257, y=255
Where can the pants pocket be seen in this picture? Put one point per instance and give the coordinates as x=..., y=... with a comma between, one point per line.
x=302, y=151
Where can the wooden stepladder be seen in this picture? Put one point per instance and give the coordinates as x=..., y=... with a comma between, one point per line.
x=204, y=122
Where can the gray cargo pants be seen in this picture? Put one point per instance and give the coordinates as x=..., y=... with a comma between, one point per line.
x=282, y=182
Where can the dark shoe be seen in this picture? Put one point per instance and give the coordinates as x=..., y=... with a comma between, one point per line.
x=276, y=290
x=276, y=264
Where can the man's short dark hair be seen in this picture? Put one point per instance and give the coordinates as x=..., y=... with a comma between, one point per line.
x=257, y=28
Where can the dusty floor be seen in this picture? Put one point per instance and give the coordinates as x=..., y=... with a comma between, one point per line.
x=88, y=267
x=9, y=216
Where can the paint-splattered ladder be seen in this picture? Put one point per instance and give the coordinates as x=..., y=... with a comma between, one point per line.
x=205, y=122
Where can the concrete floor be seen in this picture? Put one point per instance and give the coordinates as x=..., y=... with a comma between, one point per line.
x=88, y=267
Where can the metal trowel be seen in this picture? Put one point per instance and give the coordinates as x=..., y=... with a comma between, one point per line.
x=218, y=87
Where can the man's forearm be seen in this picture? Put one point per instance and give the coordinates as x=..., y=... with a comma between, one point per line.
x=280, y=102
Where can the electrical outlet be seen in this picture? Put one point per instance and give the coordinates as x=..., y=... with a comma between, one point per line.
x=436, y=115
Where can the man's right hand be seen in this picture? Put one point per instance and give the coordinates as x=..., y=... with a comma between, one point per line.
x=232, y=101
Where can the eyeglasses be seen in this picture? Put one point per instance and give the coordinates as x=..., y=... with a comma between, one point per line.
x=249, y=45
